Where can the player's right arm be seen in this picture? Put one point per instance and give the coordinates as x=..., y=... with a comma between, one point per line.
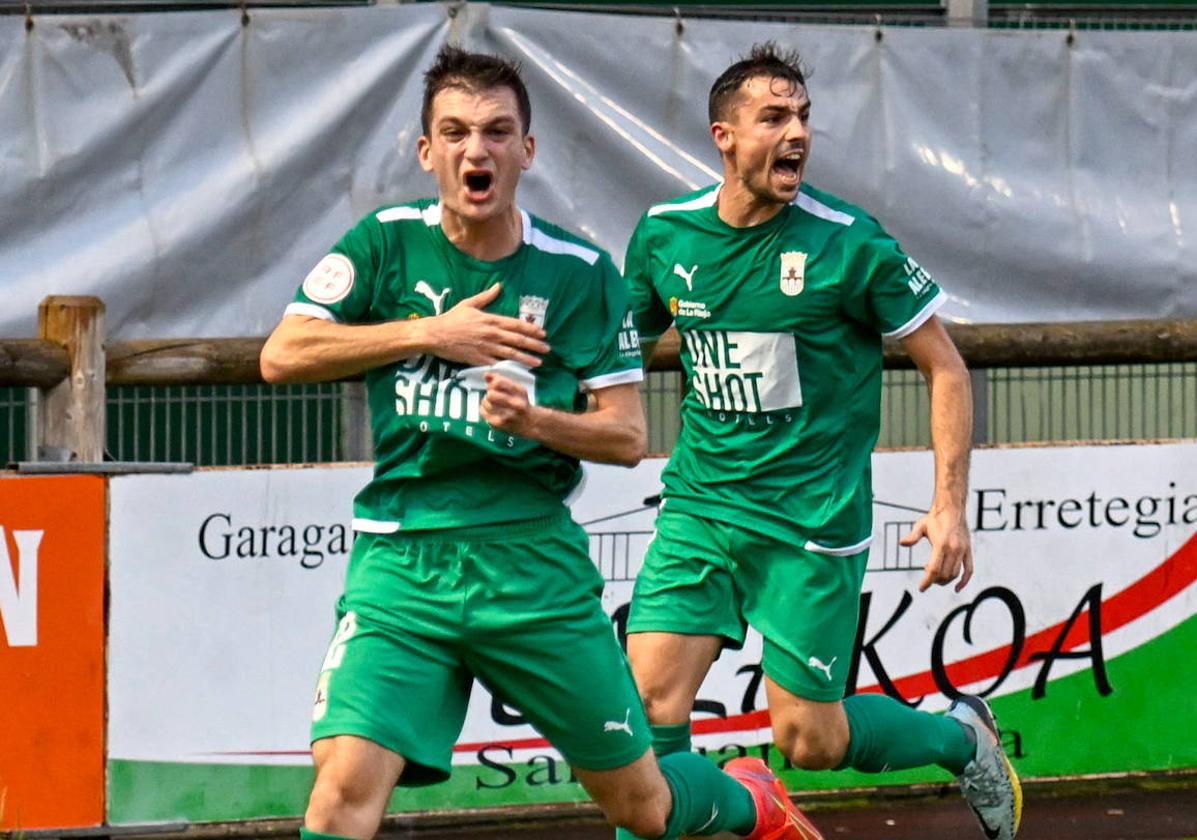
x=305, y=348
x=651, y=315
x=330, y=330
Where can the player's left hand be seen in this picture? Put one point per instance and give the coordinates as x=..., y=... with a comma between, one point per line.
x=506, y=406
x=951, y=547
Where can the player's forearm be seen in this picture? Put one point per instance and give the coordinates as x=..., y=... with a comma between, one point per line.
x=312, y=350
x=951, y=434
x=605, y=436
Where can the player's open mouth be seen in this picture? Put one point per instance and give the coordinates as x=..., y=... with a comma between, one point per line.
x=788, y=167
x=478, y=184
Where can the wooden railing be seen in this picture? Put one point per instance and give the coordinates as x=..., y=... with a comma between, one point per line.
x=1037, y=345
x=71, y=365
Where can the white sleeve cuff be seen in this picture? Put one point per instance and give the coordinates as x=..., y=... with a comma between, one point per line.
x=619, y=377
x=311, y=310
x=921, y=318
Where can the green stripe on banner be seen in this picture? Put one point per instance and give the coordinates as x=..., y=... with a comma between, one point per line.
x=150, y=791
x=1072, y=730
x=159, y=791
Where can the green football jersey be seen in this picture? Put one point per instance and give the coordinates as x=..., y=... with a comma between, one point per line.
x=438, y=463
x=781, y=327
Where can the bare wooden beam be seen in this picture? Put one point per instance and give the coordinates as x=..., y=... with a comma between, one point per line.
x=185, y=361
x=32, y=362
x=72, y=413
x=234, y=361
x=1075, y=343
x=1036, y=345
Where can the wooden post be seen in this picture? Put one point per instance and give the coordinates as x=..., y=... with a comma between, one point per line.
x=72, y=414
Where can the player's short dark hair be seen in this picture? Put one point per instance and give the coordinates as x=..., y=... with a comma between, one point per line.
x=766, y=59
x=458, y=68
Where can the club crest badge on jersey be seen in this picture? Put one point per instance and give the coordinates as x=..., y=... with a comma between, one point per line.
x=793, y=272
x=533, y=308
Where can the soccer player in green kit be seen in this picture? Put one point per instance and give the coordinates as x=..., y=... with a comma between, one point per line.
x=479, y=327
x=782, y=295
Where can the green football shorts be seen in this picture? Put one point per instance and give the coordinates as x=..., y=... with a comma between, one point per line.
x=515, y=605
x=704, y=577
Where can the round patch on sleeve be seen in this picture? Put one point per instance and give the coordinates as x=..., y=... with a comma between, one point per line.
x=330, y=281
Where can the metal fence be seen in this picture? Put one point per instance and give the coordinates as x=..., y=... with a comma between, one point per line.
x=1035, y=405
x=662, y=398
x=209, y=425
x=227, y=424
x=13, y=424
x=1053, y=14
x=261, y=424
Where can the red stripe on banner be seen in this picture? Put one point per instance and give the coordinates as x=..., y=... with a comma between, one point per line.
x=263, y=753
x=1141, y=597
x=521, y=744
x=1153, y=589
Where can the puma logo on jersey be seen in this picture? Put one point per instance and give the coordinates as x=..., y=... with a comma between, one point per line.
x=815, y=662
x=688, y=276
x=438, y=301
x=615, y=726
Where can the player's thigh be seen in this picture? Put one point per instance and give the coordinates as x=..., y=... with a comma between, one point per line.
x=806, y=605
x=362, y=766
x=685, y=584
x=669, y=668
x=551, y=652
x=400, y=685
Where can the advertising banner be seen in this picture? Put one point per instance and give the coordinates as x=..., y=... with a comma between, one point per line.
x=1077, y=626
x=51, y=652
x=223, y=584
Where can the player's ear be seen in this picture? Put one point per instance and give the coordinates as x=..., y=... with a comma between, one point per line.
x=424, y=153
x=724, y=137
x=529, y=151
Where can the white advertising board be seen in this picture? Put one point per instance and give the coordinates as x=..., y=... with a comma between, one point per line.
x=223, y=584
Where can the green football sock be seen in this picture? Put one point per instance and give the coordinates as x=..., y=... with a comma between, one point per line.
x=705, y=799
x=305, y=834
x=885, y=734
x=671, y=738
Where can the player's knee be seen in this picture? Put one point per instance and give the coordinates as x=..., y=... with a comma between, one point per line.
x=810, y=749
x=336, y=800
x=655, y=706
x=663, y=705
x=643, y=813
x=647, y=822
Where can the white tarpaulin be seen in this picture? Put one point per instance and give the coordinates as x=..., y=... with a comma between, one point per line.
x=190, y=170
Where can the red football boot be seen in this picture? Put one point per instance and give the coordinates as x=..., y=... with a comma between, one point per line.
x=777, y=818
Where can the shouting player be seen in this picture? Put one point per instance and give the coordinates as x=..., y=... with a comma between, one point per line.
x=782, y=295
x=478, y=326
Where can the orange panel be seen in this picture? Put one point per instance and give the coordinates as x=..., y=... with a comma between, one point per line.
x=52, y=651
